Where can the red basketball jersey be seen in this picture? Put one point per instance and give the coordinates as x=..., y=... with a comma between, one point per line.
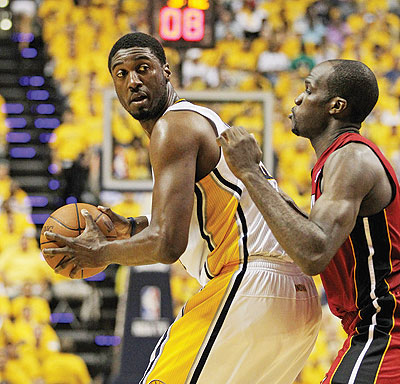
x=360, y=279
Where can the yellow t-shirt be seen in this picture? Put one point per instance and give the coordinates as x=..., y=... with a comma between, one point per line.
x=48, y=341
x=5, y=185
x=70, y=141
x=40, y=309
x=13, y=373
x=127, y=209
x=13, y=227
x=5, y=306
x=65, y=368
x=18, y=266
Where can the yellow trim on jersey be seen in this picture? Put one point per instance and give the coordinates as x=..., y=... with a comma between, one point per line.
x=219, y=209
x=177, y=101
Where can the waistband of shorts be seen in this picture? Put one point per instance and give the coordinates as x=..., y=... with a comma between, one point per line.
x=273, y=264
x=264, y=261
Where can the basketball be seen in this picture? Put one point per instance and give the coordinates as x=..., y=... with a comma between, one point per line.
x=69, y=221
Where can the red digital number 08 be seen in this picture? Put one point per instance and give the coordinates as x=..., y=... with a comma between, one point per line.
x=193, y=24
x=176, y=23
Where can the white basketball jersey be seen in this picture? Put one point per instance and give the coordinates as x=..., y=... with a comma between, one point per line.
x=226, y=226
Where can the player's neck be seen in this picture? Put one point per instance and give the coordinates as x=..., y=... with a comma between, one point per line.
x=172, y=98
x=323, y=141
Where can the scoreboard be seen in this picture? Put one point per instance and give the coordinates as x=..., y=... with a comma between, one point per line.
x=183, y=23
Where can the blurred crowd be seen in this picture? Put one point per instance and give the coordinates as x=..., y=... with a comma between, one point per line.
x=30, y=350
x=261, y=45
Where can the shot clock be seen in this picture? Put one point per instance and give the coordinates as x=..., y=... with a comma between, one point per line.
x=183, y=23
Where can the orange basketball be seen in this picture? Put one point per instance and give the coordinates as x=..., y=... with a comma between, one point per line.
x=69, y=221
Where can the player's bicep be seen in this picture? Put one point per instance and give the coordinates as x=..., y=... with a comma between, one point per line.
x=173, y=156
x=345, y=185
x=336, y=218
x=173, y=191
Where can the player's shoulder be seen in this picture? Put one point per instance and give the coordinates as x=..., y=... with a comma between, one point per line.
x=185, y=125
x=175, y=134
x=353, y=164
x=354, y=155
x=190, y=119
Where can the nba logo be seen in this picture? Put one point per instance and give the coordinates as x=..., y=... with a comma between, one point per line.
x=150, y=302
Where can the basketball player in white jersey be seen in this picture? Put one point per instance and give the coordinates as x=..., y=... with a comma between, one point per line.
x=257, y=316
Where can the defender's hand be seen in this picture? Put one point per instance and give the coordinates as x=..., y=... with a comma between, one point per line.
x=241, y=151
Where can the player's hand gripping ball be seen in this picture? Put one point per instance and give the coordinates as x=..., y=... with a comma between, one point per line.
x=69, y=221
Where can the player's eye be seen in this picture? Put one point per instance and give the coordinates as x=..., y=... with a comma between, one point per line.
x=143, y=68
x=121, y=73
x=308, y=90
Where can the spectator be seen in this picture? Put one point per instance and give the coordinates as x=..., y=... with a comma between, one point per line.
x=22, y=262
x=337, y=29
x=193, y=68
x=3, y=127
x=14, y=225
x=310, y=26
x=5, y=180
x=273, y=61
x=39, y=307
x=227, y=23
x=57, y=364
x=303, y=62
x=24, y=12
x=251, y=19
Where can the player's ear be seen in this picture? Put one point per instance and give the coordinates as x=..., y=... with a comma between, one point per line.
x=337, y=105
x=167, y=71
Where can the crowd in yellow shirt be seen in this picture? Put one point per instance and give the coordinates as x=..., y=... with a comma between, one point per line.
x=30, y=350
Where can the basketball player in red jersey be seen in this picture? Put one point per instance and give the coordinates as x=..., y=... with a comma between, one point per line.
x=352, y=235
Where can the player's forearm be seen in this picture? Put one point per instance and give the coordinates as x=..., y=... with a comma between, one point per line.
x=292, y=204
x=147, y=247
x=302, y=239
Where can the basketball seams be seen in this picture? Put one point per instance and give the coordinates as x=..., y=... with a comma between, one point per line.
x=64, y=225
x=60, y=261
x=48, y=242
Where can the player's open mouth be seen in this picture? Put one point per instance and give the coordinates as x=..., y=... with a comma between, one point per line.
x=138, y=99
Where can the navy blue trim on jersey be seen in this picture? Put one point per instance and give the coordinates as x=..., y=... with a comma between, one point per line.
x=208, y=274
x=227, y=183
x=225, y=309
x=200, y=217
x=156, y=355
x=265, y=172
